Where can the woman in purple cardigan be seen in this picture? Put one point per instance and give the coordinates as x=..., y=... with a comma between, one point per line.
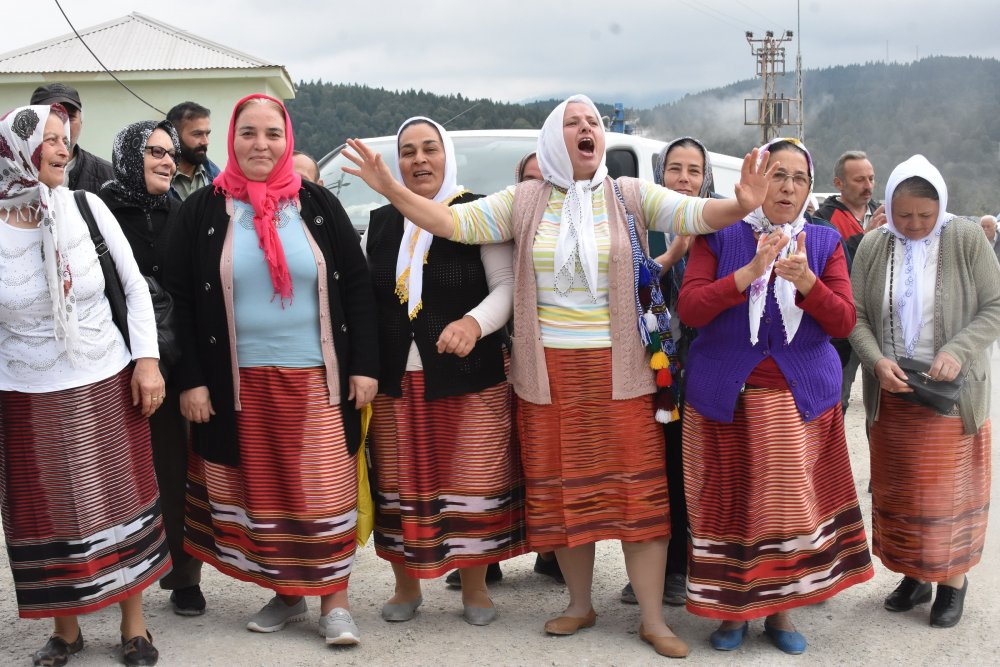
x=775, y=522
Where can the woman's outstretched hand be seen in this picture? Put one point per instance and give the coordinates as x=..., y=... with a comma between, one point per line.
x=755, y=176
x=372, y=169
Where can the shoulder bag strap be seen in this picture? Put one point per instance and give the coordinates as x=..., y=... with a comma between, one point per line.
x=113, y=289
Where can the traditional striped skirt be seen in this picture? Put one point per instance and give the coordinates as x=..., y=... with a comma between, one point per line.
x=285, y=518
x=448, y=482
x=930, y=491
x=81, y=514
x=594, y=468
x=775, y=522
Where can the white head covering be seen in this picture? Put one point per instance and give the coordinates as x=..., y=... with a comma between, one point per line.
x=784, y=291
x=576, y=243
x=908, y=299
x=416, y=242
x=21, y=134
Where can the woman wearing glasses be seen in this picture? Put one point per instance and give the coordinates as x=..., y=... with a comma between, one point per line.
x=143, y=158
x=775, y=522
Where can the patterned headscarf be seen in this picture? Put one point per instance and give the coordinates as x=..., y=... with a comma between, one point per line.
x=707, y=185
x=416, y=242
x=282, y=184
x=909, y=293
x=22, y=131
x=784, y=291
x=128, y=159
x=577, y=242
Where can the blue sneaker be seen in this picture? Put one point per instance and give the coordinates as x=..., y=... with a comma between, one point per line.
x=729, y=640
x=791, y=642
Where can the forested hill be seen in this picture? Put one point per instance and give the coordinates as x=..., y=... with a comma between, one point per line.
x=946, y=108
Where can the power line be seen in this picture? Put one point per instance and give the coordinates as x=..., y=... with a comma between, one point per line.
x=754, y=10
x=110, y=73
x=715, y=14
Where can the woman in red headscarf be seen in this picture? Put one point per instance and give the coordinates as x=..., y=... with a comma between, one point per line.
x=279, y=341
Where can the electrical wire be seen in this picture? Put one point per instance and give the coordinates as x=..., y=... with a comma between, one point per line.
x=110, y=73
x=754, y=10
x=713, y=13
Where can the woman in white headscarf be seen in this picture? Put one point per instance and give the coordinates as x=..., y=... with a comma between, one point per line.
x=81, y=513
x=775, y=521
x=448, y=483
x=591, y=451
x=927, y=287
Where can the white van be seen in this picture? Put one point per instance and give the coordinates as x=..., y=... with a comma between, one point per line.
x=487, y=159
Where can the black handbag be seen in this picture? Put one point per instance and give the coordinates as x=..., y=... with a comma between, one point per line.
x=938, y=395
x=163, y=303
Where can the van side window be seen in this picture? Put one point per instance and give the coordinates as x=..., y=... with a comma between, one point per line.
x=622, y=162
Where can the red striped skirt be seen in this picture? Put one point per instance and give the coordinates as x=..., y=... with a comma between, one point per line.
x=775, y=522
x=285, y=519
x=594, y=468
x=81, y=513
x=930, y=491
x=448, y=484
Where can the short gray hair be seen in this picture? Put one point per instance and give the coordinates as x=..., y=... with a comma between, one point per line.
x=838, y=168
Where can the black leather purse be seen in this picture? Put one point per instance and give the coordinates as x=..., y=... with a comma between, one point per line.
x=163, y=303
x=937, y=395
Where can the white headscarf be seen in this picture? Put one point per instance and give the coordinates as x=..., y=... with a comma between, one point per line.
x=576, y=242
x=416, y=242
x=21, y=134
x=910, y=309
x=784, y=291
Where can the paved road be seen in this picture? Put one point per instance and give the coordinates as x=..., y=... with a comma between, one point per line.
x=851, y=629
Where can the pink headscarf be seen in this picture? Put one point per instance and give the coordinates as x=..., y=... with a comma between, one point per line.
x=282, y=184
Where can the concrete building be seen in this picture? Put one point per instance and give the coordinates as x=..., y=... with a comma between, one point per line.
x=162, y=64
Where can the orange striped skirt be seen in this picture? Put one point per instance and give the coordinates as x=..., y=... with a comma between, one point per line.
x=930, y=490
x=594, y=468
x=285, y=519
x=448, y=484
x=775, y=522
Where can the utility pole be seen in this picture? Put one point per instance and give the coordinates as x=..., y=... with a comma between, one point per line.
x=798, y=71
x=770, y=112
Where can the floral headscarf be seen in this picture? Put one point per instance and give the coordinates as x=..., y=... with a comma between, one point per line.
x=784, y=291
x=22, y=131
x=128, y=159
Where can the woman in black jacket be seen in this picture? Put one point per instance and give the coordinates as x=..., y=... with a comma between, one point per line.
x=277, y=326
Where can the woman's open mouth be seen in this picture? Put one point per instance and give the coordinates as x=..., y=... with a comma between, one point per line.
x=586, y=146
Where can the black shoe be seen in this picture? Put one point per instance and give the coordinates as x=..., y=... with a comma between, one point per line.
x=550, y=568
x=908, y=593
x=947, y=609
x=675, y=589
x=139, y=651
x=57, y=651
x=493, y=576
x=188, y=601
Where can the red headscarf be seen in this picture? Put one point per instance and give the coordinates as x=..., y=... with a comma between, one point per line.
x=264, y=196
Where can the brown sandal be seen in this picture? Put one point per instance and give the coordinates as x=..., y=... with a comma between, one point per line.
x=139, y=650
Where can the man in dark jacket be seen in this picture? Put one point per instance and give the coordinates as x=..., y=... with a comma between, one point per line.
x=85, y=170
x=851, y=213
x=193, y=123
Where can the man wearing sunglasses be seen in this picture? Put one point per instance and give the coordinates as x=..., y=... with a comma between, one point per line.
x=85, y=171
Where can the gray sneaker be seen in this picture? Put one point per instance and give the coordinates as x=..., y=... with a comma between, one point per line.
x=276, y=614
x=339, y=628
x=675, y=589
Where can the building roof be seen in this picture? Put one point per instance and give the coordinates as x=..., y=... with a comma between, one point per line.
x=131, y=43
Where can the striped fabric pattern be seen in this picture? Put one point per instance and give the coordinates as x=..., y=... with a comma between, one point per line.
x=930, y=490
x=594, y=468
x=81, y=513
x=775, y=522
x=448, y=485
x=285, y=519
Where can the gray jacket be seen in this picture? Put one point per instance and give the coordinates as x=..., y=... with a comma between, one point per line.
x=966, y=312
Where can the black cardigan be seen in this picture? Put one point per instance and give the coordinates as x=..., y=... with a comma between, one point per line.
x=195, y=282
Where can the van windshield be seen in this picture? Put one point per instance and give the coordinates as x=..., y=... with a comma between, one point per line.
x=485, y=165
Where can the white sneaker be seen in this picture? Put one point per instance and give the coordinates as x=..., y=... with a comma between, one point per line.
x=276, y=614
x=339, y=628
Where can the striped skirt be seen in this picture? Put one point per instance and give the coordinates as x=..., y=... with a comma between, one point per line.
x=930, y=491
x=594, y=468
x=81, y=513
x=285, y=519
x=775, y=522
x=448, y=485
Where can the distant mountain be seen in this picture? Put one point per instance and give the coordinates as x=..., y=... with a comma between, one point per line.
x=946, y=108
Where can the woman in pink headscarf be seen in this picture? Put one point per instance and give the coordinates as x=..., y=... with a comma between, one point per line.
x=277, y=323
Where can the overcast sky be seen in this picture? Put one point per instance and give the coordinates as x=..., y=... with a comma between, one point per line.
x=637, y=52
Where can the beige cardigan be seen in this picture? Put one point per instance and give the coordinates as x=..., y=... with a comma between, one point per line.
x=966, y=312
x=630, y=372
